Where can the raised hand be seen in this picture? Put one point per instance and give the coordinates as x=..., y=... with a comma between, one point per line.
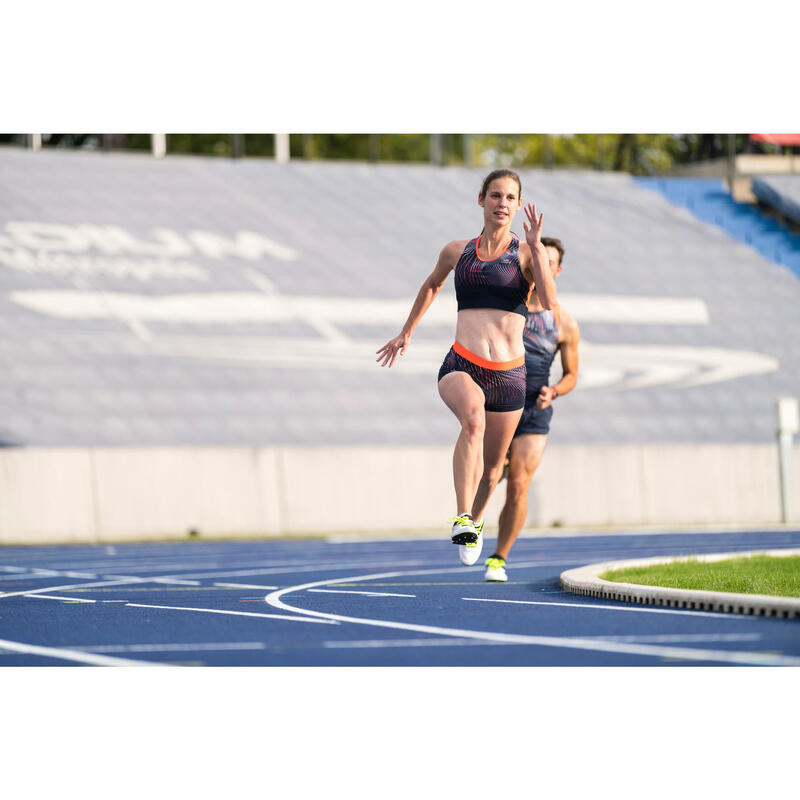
x=394, y=347
x=533, y=233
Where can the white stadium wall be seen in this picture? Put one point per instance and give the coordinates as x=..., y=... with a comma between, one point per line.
x=117, y=494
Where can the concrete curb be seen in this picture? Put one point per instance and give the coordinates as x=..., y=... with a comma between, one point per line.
x=585, y=580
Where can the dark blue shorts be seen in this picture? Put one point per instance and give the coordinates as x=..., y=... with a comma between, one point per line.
x=503, y=388
x=534, y=419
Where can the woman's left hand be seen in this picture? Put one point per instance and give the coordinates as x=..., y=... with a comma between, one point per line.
x=533, y=234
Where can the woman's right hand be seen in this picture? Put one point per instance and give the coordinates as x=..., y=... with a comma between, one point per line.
x=389, y=352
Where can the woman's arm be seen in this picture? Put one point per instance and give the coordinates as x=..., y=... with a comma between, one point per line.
x=426, y=295
x=541, y=276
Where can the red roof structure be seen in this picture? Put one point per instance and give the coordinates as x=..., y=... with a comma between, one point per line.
x=777, y=138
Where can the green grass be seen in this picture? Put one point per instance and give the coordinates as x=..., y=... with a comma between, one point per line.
x=775, y=575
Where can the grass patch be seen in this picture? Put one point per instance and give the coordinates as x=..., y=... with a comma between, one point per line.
x=774, y=575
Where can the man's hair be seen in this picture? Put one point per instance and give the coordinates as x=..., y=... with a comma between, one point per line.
x=549, y=241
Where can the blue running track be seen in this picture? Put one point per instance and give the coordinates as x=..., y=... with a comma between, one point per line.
x=349, y=602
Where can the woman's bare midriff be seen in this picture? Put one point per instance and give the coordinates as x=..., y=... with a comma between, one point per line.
x=491, y=333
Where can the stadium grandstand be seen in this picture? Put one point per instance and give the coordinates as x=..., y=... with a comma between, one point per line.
x=189, y=344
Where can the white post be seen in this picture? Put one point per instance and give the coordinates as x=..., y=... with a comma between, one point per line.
x=36, y=141
x=788, y=420
x=159, y=143
x=282, y=148
x=437, y=151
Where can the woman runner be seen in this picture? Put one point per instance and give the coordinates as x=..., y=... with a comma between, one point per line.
x=482, y=379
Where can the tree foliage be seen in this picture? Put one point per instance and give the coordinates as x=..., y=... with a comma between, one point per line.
x=636, y=153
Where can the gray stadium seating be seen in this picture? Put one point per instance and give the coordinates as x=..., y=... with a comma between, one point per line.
x=133, y=315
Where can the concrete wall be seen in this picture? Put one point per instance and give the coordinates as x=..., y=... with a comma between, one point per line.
x=114, y=494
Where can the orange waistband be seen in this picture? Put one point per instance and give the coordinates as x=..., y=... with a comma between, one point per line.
x=482, y=362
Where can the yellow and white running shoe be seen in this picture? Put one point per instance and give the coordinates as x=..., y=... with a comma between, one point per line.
x=496, y=569
x=469, y=537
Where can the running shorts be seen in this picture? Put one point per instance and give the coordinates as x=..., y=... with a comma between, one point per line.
x=503, y=382
x=534, y=419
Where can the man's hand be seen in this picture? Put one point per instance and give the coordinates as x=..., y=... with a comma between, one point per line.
x=546, y=396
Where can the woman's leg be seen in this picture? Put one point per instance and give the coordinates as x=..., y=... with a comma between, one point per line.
x=465, y=399
x=500, y=427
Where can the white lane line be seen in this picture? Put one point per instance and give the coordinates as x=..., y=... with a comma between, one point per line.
x=121, y=581
x=114, y=580
x=352, y=591
x=168, y=648
x=717, y=614
x=73, y=655
x=293, y=618
x=292, y=569
x=244, y=586
x=54, y=597
x=576, y=643
x=684, y=637
x=377, y=643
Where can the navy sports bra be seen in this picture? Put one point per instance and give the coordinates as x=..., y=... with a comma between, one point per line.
x=492, y=284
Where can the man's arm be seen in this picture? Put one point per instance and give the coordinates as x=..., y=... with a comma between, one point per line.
x=568, y=346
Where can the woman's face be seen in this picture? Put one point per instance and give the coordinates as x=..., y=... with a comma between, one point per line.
x=501, y=202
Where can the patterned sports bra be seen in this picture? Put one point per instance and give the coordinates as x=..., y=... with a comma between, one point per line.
x=492, y=284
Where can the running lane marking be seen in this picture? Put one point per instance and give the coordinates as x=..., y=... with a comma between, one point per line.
x=291, y=569
x=716, y=614
x=118, y=581
x=369, y=594
x=575, y=643
x=73, y=655
x=244, y=586
x=236, y=613
x=54, y=597
x=168, y=648
x=378, y=643
x=699, y=637
x=114, y=580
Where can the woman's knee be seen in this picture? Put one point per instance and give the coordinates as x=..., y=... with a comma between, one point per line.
x=473, y=424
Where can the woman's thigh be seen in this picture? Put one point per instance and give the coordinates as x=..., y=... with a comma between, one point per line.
x=462, y=395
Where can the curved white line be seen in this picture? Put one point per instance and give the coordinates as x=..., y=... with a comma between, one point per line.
x=654, y=651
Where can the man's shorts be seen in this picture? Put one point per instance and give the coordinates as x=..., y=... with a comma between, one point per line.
x=534, y=419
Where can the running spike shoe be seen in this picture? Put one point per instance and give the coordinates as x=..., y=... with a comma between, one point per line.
x=496, y=569
x=469, y=551
x=464, y=530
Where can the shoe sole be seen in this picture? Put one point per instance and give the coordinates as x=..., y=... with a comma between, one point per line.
x=465, y=538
